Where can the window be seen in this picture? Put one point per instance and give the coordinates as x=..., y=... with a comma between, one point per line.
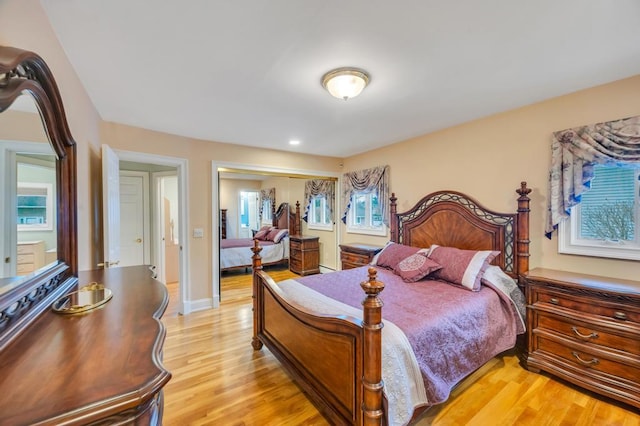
x=605, y=223
x=35, y=206
x=320, y=214
x=365, y=214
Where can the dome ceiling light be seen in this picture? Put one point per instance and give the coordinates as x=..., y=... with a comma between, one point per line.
x=345, y=83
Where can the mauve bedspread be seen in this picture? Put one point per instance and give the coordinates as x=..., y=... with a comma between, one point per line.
x=453, y=331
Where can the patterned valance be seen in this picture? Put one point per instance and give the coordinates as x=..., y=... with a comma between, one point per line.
x=375, y=179
x=574, y=153
x=319, y=187
x=266, y=194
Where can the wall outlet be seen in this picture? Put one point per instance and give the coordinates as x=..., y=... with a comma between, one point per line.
x=198, y=233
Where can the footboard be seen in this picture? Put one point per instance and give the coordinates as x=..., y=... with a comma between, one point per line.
x=335, y=360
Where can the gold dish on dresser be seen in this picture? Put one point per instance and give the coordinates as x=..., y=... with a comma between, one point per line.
x=89, y=297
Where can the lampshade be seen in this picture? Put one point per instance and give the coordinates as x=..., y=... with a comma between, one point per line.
x=345, y=83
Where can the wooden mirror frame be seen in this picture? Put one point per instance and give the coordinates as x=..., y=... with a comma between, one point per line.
x=28, y=296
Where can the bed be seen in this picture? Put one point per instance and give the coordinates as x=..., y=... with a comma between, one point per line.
x=235, y=253
x=336, y=354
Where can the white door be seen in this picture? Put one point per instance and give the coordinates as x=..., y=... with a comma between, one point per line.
x=132, y=220
x=110, y=207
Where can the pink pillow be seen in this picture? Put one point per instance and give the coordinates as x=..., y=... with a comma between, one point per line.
x=392, y=254
x=416, y=267
x=262, y=233
x=278, y=235
x=463, y=267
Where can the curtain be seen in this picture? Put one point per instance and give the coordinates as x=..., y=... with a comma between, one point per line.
x=375, y=179
x=574, y=153
x=319, y=187
x=266, y=194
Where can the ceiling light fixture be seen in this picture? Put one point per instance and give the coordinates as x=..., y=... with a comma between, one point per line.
x=345, y=83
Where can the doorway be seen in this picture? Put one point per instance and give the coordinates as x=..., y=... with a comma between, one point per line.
x=166, y=175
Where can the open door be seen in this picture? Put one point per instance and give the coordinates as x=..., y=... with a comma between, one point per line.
x=110, y=207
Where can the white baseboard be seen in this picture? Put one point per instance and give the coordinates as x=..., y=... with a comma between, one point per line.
x=198, y=305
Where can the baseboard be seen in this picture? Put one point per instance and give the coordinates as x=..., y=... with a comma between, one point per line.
x=198, y=305
x=325, y=270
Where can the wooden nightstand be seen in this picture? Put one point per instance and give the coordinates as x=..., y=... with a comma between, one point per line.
x=354, y=255
x=586, y=330
x=304, y=254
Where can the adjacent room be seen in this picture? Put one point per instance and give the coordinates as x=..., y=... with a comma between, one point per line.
x=300, y=213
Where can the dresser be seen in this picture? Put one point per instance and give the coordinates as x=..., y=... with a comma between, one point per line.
x=354, y=255
x=304, y=254
x=99, y=367
x=585, y=329
x=30, y=256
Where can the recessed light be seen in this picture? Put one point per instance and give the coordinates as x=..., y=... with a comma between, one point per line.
x=294, y=142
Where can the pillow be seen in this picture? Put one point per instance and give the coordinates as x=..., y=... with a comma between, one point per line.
x=416, y=267
x=392, y=254
x=262, y=233
x=463, y=267
x=276, y=235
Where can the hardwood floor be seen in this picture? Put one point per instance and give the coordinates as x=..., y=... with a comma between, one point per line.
x=218, y=379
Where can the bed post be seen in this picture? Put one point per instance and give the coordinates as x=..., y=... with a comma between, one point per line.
x=298, y=224
x=256, y=262
x=372, y=370
x=523, y=229
x=393, y=209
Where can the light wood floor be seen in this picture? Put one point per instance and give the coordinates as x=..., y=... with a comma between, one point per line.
x=218, y=379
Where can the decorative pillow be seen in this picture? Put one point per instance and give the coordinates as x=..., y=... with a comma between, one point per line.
x=416, y=267
x=276, y=235
x=463, y=267
x=392, y=254
x=262, y=233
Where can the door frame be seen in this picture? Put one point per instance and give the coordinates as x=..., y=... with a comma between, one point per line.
x=215, y=206
x=182, y=172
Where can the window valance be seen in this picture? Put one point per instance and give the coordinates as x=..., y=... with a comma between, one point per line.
x=267, y=194
x=574, y=153
x=375, y=179
x=319, y=187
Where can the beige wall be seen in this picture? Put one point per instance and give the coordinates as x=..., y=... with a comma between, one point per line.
x=229, y=199
x=200, y=155
x=24, y=24
x=488, y=158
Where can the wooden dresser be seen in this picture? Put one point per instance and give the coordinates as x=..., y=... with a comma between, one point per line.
x=353, y=255
x=586, y=330
x=304, y=254
x=103, y=366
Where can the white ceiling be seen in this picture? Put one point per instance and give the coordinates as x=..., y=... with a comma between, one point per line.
x=248, y=72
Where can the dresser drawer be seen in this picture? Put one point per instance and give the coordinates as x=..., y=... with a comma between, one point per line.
x=601, y=308
x=590, y=360
x=26, y=258
x=25, y=268
x=295, y=245
x=591, y=334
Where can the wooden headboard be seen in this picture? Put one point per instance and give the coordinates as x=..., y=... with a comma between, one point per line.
x=453, y=219
x=287, y=218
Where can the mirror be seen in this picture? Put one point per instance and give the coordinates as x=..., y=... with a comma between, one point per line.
x=24, y=74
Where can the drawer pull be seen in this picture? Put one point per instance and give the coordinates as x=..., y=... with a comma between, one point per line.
x=554, y=301
x=620, y=316
x=593, y=334
x=594, y=361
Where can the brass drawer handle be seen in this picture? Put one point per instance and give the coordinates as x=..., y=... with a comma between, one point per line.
x=620, y=316
x=554, y=301
x=593, y=334
x=594, y=361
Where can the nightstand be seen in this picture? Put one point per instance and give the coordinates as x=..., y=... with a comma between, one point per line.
x=354, y=255
x=586, y=330
x=304, y=254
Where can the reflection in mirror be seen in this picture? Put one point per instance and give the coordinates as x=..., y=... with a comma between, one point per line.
x=28, y=191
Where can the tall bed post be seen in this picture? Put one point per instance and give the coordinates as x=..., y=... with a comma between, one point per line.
x=522, y=245
x=256, y=263
x=393, y=209
x=372, y=372
x=298, y=224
